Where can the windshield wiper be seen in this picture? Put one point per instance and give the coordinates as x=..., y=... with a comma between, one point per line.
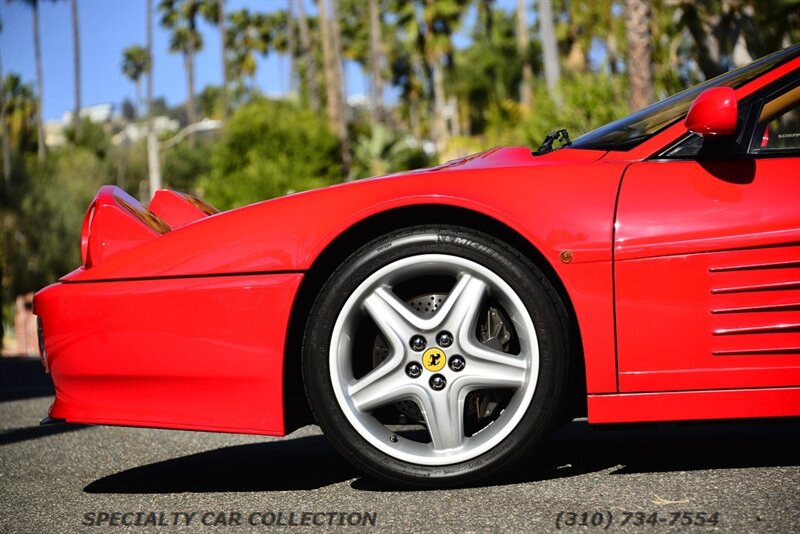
x=562, y=136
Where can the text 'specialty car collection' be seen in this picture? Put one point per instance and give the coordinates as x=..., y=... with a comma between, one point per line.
x=439, y=324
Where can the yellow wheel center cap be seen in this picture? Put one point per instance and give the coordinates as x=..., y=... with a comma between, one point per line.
x=434, y=359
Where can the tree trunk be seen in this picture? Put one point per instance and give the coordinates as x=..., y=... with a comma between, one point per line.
x=439, y=121
x=291, y=46
x=188, y=63
x=338, y=66
x=640, y=53
x=376, y=61
x=4, y=133
x=547, y=34
x=612, y=53
x=705, y=33
x=223, y=57
x=523, y=45
x=154, y=165
x=455, y=119
x=76, y=42
x=328, y=60
x=433, y=58
x=415, y=98
x=42, y=147
x=139, y=102
x=332, y=52
x=341, y=85
x=309, y=65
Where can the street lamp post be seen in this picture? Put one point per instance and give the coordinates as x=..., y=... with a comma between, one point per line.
x=153, y=162
x=154, y=147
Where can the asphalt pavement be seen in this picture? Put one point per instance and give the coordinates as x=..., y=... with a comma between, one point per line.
x=737, y=477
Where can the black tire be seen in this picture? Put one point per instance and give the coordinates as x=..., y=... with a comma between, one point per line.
x=417, y=263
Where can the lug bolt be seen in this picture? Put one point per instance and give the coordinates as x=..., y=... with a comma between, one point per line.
x=414, y=370
x=438, y=382
x=418, y=343
x=457, y=363
x=444, y=339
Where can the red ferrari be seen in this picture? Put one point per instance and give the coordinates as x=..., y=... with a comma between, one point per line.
x=438, y=324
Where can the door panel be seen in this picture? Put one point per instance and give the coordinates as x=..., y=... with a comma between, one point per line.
x=708, y=275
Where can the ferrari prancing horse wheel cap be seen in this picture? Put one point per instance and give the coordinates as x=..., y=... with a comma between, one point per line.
x=434, y=359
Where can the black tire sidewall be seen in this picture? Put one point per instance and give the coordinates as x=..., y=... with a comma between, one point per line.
x=539, y=298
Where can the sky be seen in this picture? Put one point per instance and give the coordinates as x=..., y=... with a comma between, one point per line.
x=107, y=27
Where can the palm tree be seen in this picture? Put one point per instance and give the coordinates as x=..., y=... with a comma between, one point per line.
x=278, y=33
x=20, y=110
x=76, y=50
x=247, y=35
x=37, y=48
x=136, y=63
x=362, y=43
x=308, y=62
x=376, y=59
x=547, y=34
x=333, y=81
x=213, y=12
x=523, y=48
x=640, y=52
x=291, y=45
x=4, y=128
x=180, y=16
x=223, y=56
x=441, y=19
x=406, y=62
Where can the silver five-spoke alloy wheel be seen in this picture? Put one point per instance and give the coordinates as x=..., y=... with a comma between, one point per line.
x=440, y=390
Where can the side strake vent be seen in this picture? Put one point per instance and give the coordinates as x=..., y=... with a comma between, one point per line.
x=756, y=305
x=756, y=267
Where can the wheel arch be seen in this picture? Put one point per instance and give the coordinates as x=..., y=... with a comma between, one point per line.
x=296, y=410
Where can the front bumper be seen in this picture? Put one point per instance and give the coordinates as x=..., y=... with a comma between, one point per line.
x=202, y=353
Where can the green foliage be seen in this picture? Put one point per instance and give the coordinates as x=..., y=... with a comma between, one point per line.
x=41, y=237
x=354, y=21
x=209, y=101
x=247, y=35
x=128, y=165
x=385, y=152
x=182, y=166
x=90, y=136
x=180, y=16
x=20, y=104
x=135, y=62
x=269, y=149
x=487, y=73
x=589, y=101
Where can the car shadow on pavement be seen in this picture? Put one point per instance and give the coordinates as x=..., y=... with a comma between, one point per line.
x=16, y=435
x=668, y=447
x=579, y=449
x=302, y=463
x=310, y=462
x=23, y=377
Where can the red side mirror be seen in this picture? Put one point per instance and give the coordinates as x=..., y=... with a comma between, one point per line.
x=714, y=113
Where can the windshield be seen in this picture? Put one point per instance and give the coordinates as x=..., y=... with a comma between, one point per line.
x=628, y=132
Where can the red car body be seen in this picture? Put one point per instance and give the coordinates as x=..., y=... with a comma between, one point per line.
x=683, y=276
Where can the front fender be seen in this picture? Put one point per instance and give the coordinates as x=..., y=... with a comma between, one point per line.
x=555, y=208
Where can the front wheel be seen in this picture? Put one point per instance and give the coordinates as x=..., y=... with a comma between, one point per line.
x=436, y=356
